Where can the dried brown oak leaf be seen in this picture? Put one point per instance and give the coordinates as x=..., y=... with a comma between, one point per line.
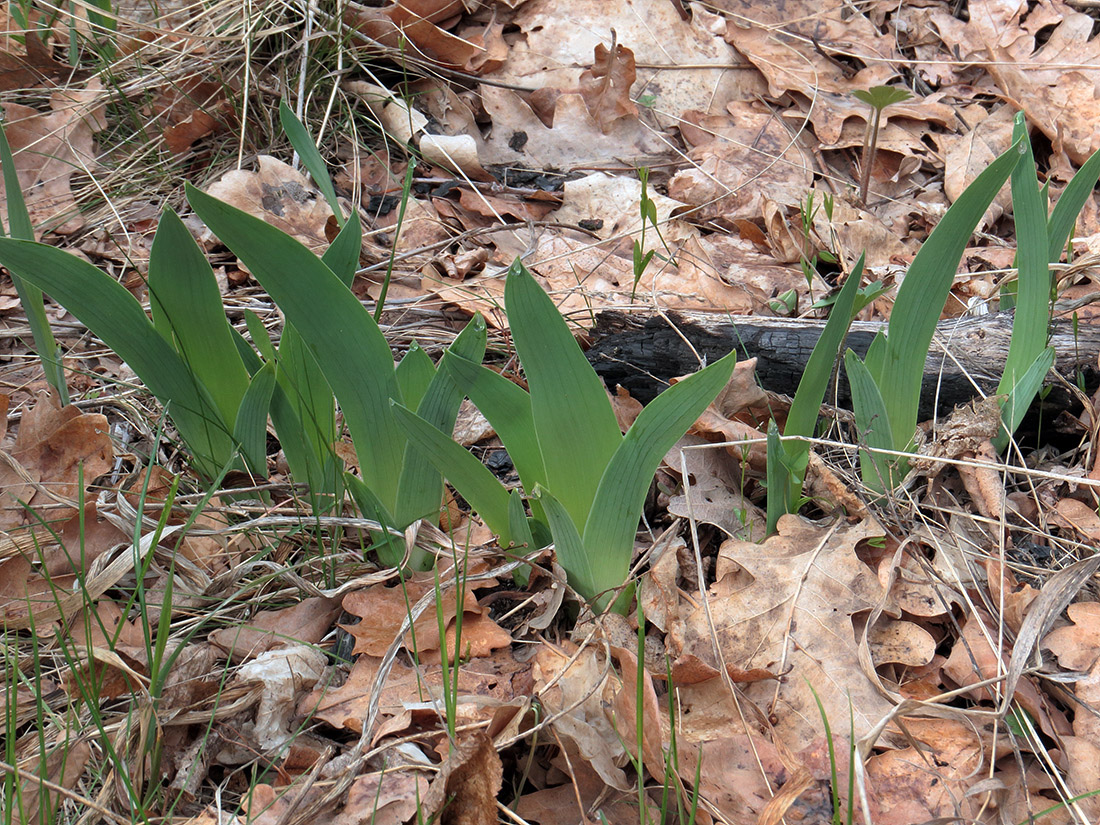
x=49, y=148
x=788, y=606
x=53, y=446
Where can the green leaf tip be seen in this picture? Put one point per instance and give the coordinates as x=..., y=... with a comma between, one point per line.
x=879, y=97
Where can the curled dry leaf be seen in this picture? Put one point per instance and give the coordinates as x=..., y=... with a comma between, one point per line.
x=284, y=673
x=303, y=623
x=1055, y=82
x=1080, y=517
x=737, y=160
x=686, y=63
x=968, y=154
x=605, y=85
x=974, y=660
x=573, y=687
x=280, y=195
x=49, y=148
x=911, y=785
x=712, y=491
x=467, y=783
x=1077, y=645
x=53, y=447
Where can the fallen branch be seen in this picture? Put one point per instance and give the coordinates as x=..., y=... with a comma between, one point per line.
x=642, y=353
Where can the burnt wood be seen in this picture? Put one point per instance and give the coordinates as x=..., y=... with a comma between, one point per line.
x=642, y=353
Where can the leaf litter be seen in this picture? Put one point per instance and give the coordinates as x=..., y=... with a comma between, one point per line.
x=292, y=684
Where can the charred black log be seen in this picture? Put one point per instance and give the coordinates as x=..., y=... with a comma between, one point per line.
x=642, y=353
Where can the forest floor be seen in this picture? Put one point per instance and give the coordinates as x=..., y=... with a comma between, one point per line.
x=175, y=653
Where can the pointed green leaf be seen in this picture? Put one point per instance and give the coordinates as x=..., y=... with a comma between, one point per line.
x=30, y=297
x=390, y=548
x=248, y=356
x=348, y=345
x=462, y=469
x=188, y=311
x=308, y=392
x=342, y=255
x=19, y=219
x=305, y=463
x=523, y=542
x=570, y=549
x=508, y=409
x=303, y=144
x=421, y=486
x=1070, y=203
x=568, y=401
x=1023, y=390
x=779, y=479
x=105, y=307
x=250, y=429
x=806, y=407
x=873, y=426
x=876, y=356
x=618, y=503
x=259, y=334
x=1032, y=318
x=414, y=373
x=923, y=293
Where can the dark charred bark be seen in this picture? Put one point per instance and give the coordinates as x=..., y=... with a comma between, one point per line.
x=642, y=352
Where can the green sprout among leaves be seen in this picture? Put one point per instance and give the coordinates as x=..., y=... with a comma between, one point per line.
x=878, y=98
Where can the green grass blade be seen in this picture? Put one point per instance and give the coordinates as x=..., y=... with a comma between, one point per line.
x=250, y=428
x=508, y=409
x=569, y=547
x=1070, y=203
x=30, y=297
x=188, y=311
x=568, y=401
x=105, y=307
x=414, y=373
x=420, y=489
x=923, y=293
x=872, y=424
x=621, y=494
x=342, y=255
x=349, y=346
x=462, y=469
x=1020, y=396
x=303, y=144
x=1032, y=319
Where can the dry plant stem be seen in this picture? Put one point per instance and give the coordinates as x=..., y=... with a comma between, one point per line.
x=867, y=156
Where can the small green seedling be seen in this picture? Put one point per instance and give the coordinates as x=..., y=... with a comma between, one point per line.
x=396, y=485
x=878, y=98
x=886, y=384
x=648, y=209
x=787, y=460
x=587, y=482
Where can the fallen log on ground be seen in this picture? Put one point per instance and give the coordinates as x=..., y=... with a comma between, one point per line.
x=641, y=352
